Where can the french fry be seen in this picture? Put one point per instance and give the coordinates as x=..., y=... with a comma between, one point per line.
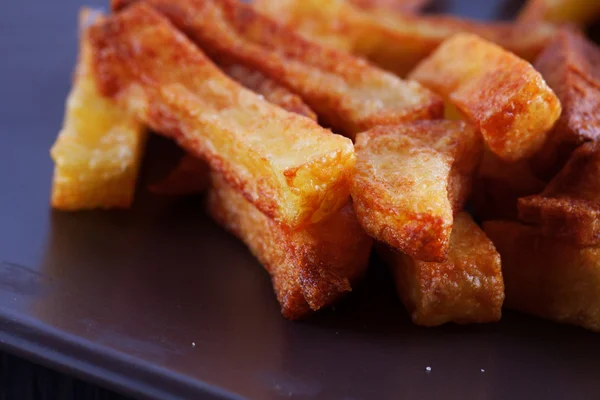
x=396, y=42
x=98, y=151
x=569, y=207
x=310, y=268
x=501, y=94
x=466, y=288
x=287, y=165
x=347, y=93
x=391, y=5
x=571, y=67
x=402, y=185
x=498, y=185
x=547, y=277
x=579, y=12
x=191, y=174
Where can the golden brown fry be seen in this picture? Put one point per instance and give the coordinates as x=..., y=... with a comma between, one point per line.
x=571, y=67
x=272, y=91
x=287, y=165
x=548, y=277
x=401, y=180
x=498, y=185
x=98, y=151
x=578, y=12
x=501, y=94
x=394, y=41
x=569, y=207
x=311, y=267
x=346, y=92
x=466, y=288
x=191, y=174
x=390, y=5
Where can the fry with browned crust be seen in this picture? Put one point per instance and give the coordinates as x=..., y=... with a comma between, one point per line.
x=391, y=5
x=347, y=93
x=548, y=277
x=578, y=12
x=311, y=267
x=571, y=67
x=191, y=174
x=569, y=207
x=498, y=185
x=501, y=94
x=395, y=41
x=402, y=185
x=287, y=165
x=98, y=152
x=466, y=288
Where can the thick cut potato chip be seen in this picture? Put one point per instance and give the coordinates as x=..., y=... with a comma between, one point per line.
x=390, y=5
x=395, y=41
x=501, y=94
x=569, y=207
x=272, y=91
x=466, y=288
x=287, y=165
x=499, y=184
x=547, y=277
x=191, y=174
x=98, y=152
x=347, y=93
x=578, y=12
x=311, y=267
x=571, y=67
x=402, y=184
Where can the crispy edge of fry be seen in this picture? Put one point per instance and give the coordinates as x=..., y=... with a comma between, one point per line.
x=413, y=212
x=466, y=288
x=569, y=207
x=310, y=268
x=385, y=6
x=347, y=93
x=191, y=175
x=547, y=277
x=503, y=95
x=156, y=72
x=395, y=41
x=579, y=12
x=570, y=64
x=95, y=188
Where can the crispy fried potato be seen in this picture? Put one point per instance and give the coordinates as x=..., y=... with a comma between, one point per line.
x=571, y=67
x=501, y=94
x=391, y=5
x=569, y=207
x=548, y=277
x=272, y=91
x=394, y=41
x=401, y=185
x=578, y=12
x=466, y=288
x=191, y=174
x=98, y=151
x=498, y=185
x=347, y=93
x=287, y=165
x=311, y=267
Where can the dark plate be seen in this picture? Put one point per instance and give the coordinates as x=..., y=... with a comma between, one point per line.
x=159, y=302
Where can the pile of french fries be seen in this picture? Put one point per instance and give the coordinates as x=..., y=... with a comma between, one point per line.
x=321, y=130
